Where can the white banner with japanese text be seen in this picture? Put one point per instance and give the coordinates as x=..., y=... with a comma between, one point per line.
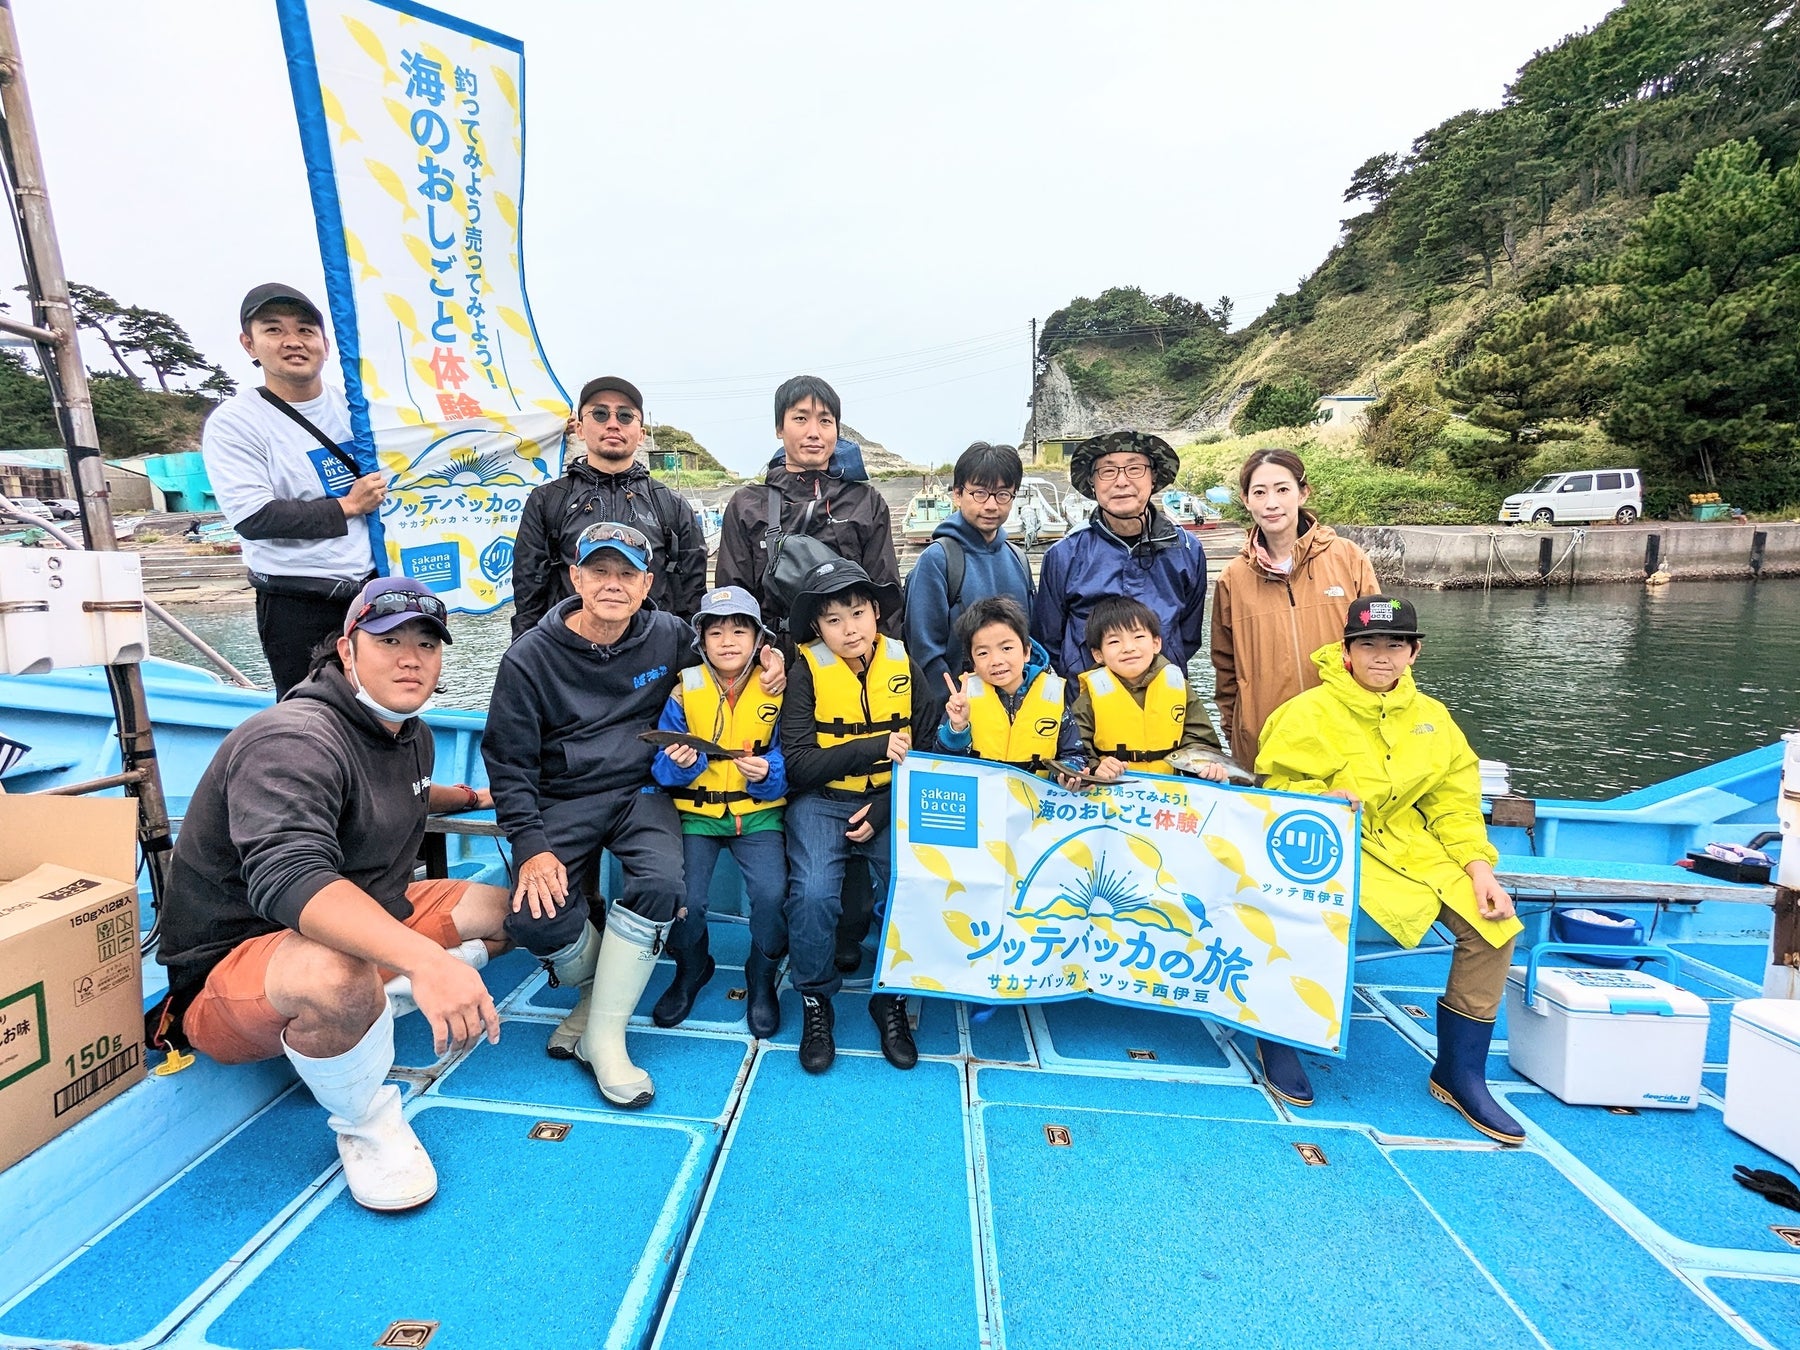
x=412, y=123
x=1173, y=893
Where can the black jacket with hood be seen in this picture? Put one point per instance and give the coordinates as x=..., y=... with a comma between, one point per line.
x=565, y=715
x=308, y=792
x=556, y=513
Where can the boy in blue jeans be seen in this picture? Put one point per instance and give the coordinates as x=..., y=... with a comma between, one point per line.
x=726, y=804
x=855, y=705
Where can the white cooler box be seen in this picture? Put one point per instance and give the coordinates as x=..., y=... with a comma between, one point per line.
x=1762, y=1086
x=1605, y=1037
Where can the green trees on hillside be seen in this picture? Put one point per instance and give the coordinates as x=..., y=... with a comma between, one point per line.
x=1191, y=340
x=1531, y=368
x=1279, y=403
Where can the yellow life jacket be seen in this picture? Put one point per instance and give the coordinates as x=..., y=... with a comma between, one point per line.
x=849, y=707
x=1142, y=736
x=748, y=725
x=1026, y=741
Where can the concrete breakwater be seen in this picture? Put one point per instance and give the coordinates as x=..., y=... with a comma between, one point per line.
x=1456, y=557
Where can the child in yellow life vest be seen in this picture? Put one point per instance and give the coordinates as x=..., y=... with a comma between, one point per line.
x=1011, y=708
x=1367, y=734
x=855, y=705
x=730, y=804
x=1136, y=707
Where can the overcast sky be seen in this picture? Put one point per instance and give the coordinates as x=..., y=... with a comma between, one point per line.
x=722, y=194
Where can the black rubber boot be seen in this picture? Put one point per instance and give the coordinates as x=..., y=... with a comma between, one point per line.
x=1284, y=1073
x=762, y=1011
x=1459, y=1078
x=817, y=1049
x=889, y=1013
x=855, y=916
x=693, y=968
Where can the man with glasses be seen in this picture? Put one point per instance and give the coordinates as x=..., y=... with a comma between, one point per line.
x=292, y=900
x=571, y=777
x=1127, y=548
x=605, y=484
x=969, y=559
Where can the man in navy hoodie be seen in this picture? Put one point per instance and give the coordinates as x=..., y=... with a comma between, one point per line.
x=571, y=778
x=983, y=485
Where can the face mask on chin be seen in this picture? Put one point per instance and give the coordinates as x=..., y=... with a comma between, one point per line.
x=368, y=701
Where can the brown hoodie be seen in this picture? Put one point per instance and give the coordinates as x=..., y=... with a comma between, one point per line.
x=1266, y=626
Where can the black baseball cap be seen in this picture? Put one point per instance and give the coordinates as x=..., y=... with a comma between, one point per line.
x=614, y=383
x=1382, y=616
x=267, y=294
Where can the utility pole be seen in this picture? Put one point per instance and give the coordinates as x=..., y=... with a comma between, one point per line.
x=59, y=353
x=1031, y=402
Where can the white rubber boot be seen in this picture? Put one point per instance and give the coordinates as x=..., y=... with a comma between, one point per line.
x=574, y=965
x=385, y=1165
x=473, y=953
x=627, y=957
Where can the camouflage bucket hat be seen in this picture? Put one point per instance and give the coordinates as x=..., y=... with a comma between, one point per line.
x=1164, y=463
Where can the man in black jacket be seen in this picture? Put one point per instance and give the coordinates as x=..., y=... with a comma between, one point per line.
x=571, y=777
x=292, y=899
x=849, y=517
x=608, y=484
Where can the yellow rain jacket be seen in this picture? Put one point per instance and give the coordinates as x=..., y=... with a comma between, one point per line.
x=1420, y=787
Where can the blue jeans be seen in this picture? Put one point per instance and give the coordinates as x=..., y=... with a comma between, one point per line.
x=817, y=851
x=762, y=858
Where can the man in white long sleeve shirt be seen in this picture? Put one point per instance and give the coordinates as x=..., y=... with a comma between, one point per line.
x=289, y=484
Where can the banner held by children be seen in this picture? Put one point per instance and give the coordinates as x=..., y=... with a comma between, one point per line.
x=412, y=124
x=1230, y=903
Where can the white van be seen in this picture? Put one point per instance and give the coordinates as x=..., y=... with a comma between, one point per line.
x=1591, y=494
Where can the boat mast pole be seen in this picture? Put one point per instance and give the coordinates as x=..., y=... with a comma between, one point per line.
x=60, y=357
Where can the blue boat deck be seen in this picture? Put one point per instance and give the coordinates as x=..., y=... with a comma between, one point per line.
x=755, y=1205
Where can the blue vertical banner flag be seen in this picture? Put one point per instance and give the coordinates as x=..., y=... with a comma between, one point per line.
x=1171, y=893
x=413, y=128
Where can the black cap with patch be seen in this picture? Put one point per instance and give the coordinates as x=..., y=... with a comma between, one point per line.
x=267, y=294
x=1381, y=616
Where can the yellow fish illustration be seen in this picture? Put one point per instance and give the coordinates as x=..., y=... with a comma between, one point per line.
x=939, y=866
x=961, y=927
x=514, y=320
x=1231, y=860
x=354, y=250
x=366, y=39
x=509, y=210
x=1076, y=977
x=401, y=114
x=1316, y=997
x=1337, y=923
x=926, y=982
x=508, y=90
x=1261, y=927
x=897, y=954
x=1003, y=854
x=1023, y=794
x=390, y=183
x=334, y=114
x=1144, y=851
x=1077, y=853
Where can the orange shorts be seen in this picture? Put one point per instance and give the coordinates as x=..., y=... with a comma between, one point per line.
x=231, y=1019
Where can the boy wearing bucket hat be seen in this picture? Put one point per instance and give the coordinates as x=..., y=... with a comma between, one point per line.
x=1127, y=548
x=727, y=803
x=1366, y=734
x=855, y=706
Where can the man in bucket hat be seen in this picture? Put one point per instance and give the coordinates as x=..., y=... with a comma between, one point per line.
x=1128, y=547
x=292, y=901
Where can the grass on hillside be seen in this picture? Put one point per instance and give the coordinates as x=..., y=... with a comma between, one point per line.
x=695, y=478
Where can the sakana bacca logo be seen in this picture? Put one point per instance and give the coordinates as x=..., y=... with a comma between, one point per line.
x=1305, y=846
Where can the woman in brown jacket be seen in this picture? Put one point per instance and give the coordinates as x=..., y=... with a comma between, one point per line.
x=1280, y=600
x=1285, y=596
x=1277, y=603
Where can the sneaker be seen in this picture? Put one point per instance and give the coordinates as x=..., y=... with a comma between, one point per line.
x=817, y=1049
x=897, y=1045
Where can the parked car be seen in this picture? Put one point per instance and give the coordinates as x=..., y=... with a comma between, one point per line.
x=1590, y=494
x=63, y=508
x=31, y=506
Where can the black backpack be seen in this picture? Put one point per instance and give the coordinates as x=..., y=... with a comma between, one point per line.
x=791, y=556
x=956, y=567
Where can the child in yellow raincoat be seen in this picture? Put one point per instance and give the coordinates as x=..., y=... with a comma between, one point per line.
x=1367, y=735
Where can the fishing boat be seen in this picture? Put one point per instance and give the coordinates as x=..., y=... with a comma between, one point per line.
x=1036, y=517
x=1192, y=513
x=712, y=522
x=926, y=509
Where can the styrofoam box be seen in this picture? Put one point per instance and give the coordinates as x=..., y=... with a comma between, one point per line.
x=1607, y=1037
x=1762, y=1084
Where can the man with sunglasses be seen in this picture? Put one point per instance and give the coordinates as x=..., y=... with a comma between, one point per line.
x=969, y=559
x=605, y=484
x=1127, y=548
x=291, y=898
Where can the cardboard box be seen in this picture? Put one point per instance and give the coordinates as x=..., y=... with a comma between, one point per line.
x=71, y=983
